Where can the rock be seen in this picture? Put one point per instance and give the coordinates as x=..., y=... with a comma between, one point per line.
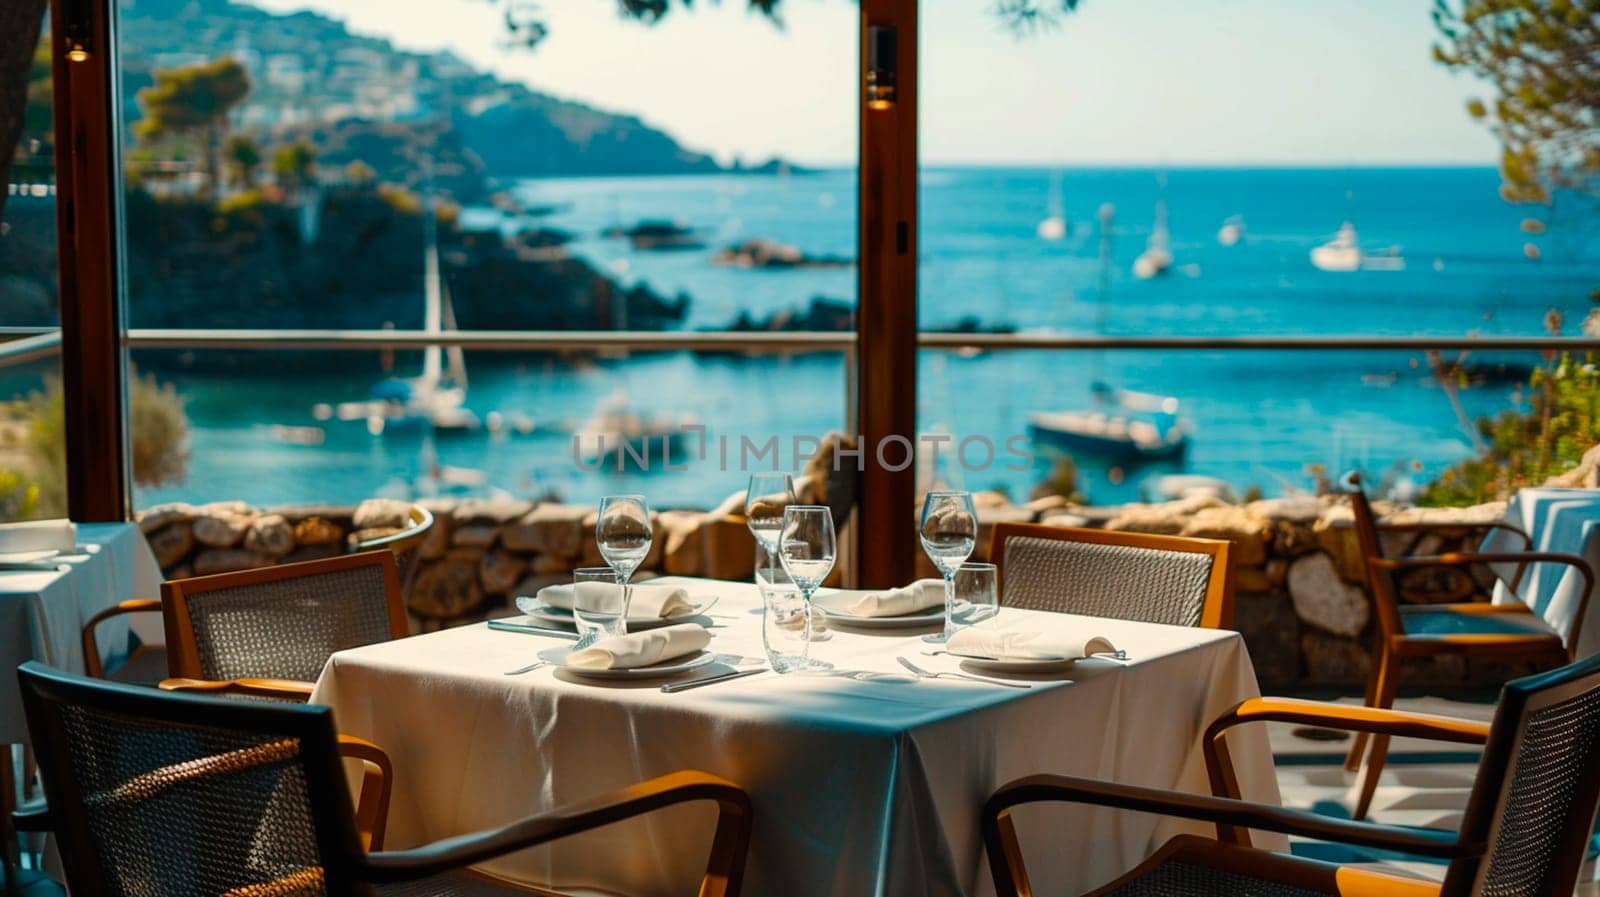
x=475, y=536
x=729, y=549
x=1251, y=579
x=1065, y=518
x=270, y=535
x=154, y=518
x=1584, y=476
x=297, y=513
x=1248, y=532
x=1336, y=536
x=437, y=541
x=1292, y=538
x=360, y=536
x=1271, y=632
x=469, y=553
x=1290, y=508
x=1324, y=600
x=310, y=553
x=1047, y=503
x=1277, y=571
x=1331, y=660
x=171, y=543
x=682, y=543
x=385, y=513
x=990, y=499
x=500, y=570
x=1167, y=519
x=234, y=508
x=588, y=548
x=318, y=531
x=550, y=529
x=551, y=565
x=1436, y=585
x=490, y=512
x=446, y=590
x=733, y=505
x=220, y=529
x=182, y=571
x=227, y=560
x=531, y=584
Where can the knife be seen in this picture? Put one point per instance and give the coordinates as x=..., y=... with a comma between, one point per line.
x=529, y=629
x=671, y=687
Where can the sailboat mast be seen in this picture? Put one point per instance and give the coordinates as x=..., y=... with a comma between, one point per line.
x=433, y=300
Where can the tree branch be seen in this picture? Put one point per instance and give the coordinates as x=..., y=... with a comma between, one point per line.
x=19, y=35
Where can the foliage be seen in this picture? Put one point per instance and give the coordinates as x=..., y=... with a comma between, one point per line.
x=19, y=34
x=158, y=438
x=243, y=160
x=193, y=102
x=1542, y=58
x=19, y=496
x=294, y=165
x=1525, y=448
x=241, y=212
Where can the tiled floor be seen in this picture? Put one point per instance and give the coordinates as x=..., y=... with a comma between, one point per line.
x=1424, y=784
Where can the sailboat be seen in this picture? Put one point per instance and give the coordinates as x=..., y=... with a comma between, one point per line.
x=1156, y=259
x=1231, y=231
x=1343, y=253
x=1054, y=227
x=437, y=397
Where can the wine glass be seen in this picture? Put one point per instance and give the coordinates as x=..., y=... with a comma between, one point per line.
x=623, y=534
x=807, y=549
x=764, y=502
x=949, y=532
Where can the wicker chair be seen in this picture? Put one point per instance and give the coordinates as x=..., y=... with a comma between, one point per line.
x=268, y=632
x=1506, y=632
x=1127, y=576
x=180, y=794
x=1524, y=832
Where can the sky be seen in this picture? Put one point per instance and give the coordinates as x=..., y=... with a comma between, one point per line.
x=1135, y=82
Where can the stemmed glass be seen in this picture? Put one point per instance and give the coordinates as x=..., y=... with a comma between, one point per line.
x=623, y=534
x=807, y=549
x=949, y=532
x=765, y=500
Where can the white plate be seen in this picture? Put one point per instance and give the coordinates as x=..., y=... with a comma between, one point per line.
x=562, y=616
x=1006, y=665
x=558, y=657
x=28, y=557
x=834, y=606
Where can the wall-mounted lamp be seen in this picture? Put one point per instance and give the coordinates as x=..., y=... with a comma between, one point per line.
x=880, y=66
x=77, y=52
x=77, y=29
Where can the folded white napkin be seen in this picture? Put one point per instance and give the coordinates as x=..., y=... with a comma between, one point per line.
x=979, y=642
x=920, y=595
x=649, y=602
x=38, y=535
x=641, y=649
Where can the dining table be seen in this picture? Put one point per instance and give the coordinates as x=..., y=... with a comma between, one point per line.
x=865, y=779
x=44, y=605
x=1558, y=519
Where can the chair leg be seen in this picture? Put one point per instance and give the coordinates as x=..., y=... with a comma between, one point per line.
x=1375, y=676
x=1387, y=687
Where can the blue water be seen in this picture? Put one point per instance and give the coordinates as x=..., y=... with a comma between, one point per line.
x=1258, y=418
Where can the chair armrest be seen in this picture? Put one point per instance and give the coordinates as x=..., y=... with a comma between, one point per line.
x=1433, y=526
x=727, y=852
x=377, y=782
x=282, y=689
x=1460, y=559
x=91, y=645
x=34, y=817
x=1223, y=812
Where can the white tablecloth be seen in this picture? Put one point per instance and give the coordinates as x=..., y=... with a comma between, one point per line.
x=864, y=781
x=42, y=612
x=1558, y=520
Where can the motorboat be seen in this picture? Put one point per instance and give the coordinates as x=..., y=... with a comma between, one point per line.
x=623, y=439
x=1133, y=427
x=1343, y=253
x=1156, y=259
x=1231, y=231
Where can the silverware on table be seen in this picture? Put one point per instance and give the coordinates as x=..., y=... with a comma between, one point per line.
x=921, y=673
x=671, y=687
x=530, y=629
x=527, y=669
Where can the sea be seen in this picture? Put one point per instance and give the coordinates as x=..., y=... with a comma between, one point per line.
x=1258, y=420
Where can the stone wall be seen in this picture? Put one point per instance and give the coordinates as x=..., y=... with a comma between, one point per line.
x=1300, y=603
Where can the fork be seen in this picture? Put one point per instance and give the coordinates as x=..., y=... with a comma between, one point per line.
x=527, y=669
x=924, y=674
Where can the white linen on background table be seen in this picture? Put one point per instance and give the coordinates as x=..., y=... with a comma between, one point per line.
x=862, y=785
x=1557, y=519
x=42, y=612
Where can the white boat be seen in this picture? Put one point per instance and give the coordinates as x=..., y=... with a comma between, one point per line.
x=1156, y=259
x=621, y=438
x=1054, y=226
x=1344, y=253
x=1231, y=231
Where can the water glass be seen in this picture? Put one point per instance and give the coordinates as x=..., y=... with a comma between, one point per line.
x=976, y=586
x=949, y=533
x=598, y=609
x=783, y=616
x=807, y=549
x=623, y=535
x=764, y=503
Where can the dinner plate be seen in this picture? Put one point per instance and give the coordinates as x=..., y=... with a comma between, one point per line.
x=1015, y=665
x=562, y=616
x=28, y=557
x=834, y=607
x=558, y=657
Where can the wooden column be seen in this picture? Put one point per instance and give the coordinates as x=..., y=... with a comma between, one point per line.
x=886, y=319
x=88, y=208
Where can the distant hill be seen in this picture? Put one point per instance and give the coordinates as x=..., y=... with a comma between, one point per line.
x=306, y=64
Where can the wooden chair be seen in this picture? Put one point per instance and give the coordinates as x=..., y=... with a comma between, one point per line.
x=158, y=793
x=1126, y=576
x=269, y=631
x=1525, y=830
x=1506, y=632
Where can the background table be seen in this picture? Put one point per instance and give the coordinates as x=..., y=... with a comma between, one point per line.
x=864, y=781
x=42, y=612
x=1557, y=519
